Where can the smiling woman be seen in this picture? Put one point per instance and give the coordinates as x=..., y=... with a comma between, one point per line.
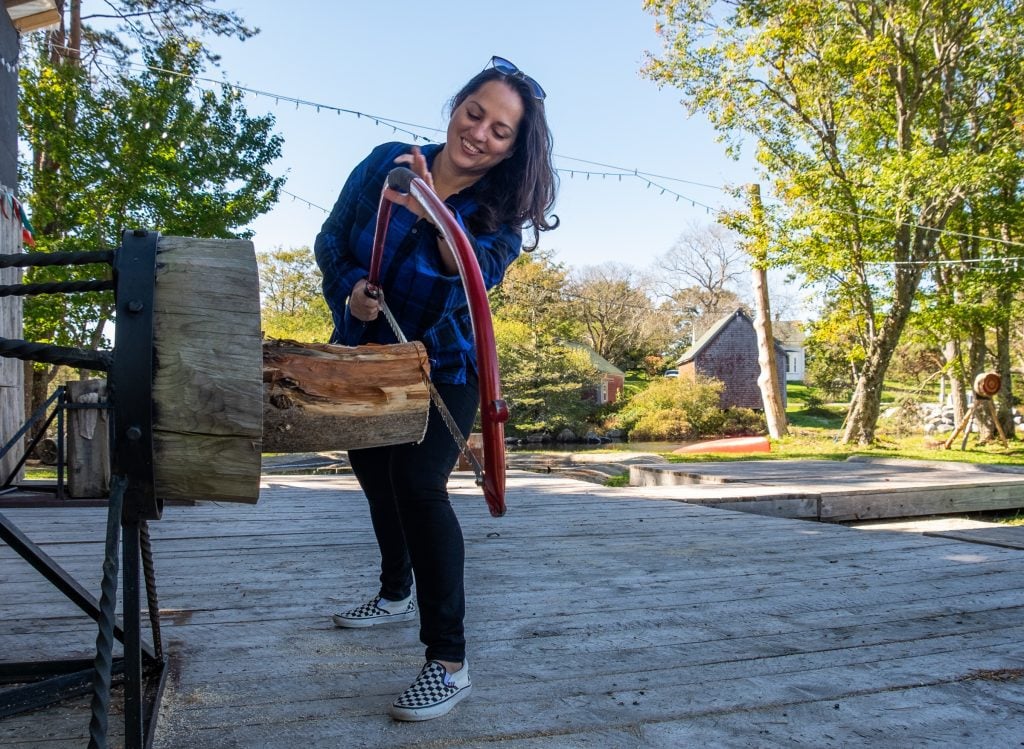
x=495, y=176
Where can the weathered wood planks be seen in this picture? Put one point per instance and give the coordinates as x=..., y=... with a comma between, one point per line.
x=839, y=491
x=88, y=439
x=12, y=394
x=597, y=617
x=207, y=378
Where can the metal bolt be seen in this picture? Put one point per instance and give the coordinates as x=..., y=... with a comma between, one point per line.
x=133, y=433
x=135, y=305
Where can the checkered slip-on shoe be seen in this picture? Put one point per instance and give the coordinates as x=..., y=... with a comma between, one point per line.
x=433, y=694
x=377, y=611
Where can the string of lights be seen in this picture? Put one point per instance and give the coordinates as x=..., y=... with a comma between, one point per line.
x=650, y=180
x=298, y=199
x=418, y=134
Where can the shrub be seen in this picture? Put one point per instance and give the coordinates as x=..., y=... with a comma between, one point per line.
x=742, y=422
x=674, y=409
x=812, y=400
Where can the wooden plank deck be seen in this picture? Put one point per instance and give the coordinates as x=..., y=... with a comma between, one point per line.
x=598, y=617
x=839, y=491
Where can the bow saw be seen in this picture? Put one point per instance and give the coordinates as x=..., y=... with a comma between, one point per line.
x=493, y=410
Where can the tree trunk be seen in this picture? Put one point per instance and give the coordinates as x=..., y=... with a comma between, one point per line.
x=1004, y=368
x=867, y=396
x=954, y=368
x=768, y=379
x=977, y=363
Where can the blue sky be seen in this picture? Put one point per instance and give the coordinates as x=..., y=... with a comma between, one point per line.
x=403, y=60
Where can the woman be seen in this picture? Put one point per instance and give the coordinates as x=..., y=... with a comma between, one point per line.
x=494, y=173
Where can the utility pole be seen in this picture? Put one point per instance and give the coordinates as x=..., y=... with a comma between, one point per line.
x=767, y=381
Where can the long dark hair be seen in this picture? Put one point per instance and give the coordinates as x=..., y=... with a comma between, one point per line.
x=521, y=189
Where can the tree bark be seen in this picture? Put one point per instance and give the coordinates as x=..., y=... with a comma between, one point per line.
x=954, y=369
x=867, y=396
x=1004, y=368
x=977, y=360
x=767, y=380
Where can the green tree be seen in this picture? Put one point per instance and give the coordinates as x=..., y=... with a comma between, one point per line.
x=543, y=379
x=291, y=301
x=616, y=316
x=123, y=150
x=876, y=120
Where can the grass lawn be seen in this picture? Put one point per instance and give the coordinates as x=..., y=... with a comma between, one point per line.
x=814, y=432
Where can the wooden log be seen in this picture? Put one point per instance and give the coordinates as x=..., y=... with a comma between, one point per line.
x=88, y=440
x=321, y=397
x=206, y=384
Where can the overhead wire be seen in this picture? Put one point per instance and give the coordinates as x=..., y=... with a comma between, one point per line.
x=648, y=178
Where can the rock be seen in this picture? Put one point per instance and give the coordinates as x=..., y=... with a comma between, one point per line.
x=566, y=435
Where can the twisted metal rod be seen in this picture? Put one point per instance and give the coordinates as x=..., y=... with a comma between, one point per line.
x=49, y=354
x=104, y=661
x=151, y=597
x=41, y=259
x=55, y=287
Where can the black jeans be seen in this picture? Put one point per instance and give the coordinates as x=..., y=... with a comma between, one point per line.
x=416, y=528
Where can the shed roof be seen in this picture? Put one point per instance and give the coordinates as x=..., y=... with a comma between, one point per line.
x=713, y=332
x=599, y=362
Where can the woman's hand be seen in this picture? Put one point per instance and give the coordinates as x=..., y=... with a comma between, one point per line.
x=363, y=307
x=417, y=162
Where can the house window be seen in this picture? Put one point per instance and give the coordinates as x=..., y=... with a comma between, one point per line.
x=604, y=392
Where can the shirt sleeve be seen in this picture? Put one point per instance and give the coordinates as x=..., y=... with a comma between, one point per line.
x=338, y=264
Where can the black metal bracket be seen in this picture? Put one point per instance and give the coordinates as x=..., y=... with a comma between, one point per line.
x=131, y=374
x=132, y=503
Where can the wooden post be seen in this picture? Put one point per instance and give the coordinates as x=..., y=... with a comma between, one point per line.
x=767, y=381
x=207, y=381
x=88, y=440
x=12, y=390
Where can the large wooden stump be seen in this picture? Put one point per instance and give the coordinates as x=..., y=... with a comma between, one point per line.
x=207, y=381
x=322, y=397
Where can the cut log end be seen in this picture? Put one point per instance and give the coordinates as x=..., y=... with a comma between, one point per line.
x=320, y=397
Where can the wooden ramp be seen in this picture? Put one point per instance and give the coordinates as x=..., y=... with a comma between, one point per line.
x=858, y=488
x=597, y=617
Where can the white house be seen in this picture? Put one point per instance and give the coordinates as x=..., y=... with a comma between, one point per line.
x=790, y=334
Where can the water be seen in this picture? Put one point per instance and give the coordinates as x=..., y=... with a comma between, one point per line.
x=573, y=447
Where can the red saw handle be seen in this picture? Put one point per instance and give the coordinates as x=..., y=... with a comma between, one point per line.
x=493, y=410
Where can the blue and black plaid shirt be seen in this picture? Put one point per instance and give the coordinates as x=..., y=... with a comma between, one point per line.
x=429, y=304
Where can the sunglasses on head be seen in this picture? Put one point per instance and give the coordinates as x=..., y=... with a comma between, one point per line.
x=509, y=69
